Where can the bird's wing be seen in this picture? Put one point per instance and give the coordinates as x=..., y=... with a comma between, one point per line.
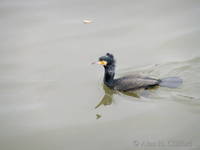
x=133, y=82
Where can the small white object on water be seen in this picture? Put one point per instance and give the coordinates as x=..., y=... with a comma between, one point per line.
x=87, y=21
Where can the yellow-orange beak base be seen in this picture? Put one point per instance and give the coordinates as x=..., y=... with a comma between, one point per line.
x=102, y=62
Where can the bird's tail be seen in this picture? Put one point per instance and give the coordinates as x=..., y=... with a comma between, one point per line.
x=171, y=82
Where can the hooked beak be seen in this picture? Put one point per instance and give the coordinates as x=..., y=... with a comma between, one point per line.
x=104, y=63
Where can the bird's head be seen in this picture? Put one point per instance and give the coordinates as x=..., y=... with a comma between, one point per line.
x=106, y=60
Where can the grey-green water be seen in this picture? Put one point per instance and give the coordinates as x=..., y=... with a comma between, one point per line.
x=49, y=90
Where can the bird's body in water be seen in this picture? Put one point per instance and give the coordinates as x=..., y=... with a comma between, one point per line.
x=132, y=82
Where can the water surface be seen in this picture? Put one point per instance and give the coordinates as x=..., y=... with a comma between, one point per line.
x=49, y=90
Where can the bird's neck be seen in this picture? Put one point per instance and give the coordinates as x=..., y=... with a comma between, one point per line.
x=109, y=75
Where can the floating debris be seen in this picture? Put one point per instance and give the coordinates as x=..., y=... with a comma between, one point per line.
x=87, y=21
x=98, y=116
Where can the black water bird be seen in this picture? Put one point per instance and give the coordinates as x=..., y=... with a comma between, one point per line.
x=134, y=81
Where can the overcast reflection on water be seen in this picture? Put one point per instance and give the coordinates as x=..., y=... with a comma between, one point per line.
x=49, y=90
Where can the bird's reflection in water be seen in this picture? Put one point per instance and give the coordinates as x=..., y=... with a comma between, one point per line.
x=109, y=93
x=108, y=96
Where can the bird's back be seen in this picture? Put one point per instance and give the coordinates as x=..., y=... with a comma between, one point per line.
x=134, y=82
